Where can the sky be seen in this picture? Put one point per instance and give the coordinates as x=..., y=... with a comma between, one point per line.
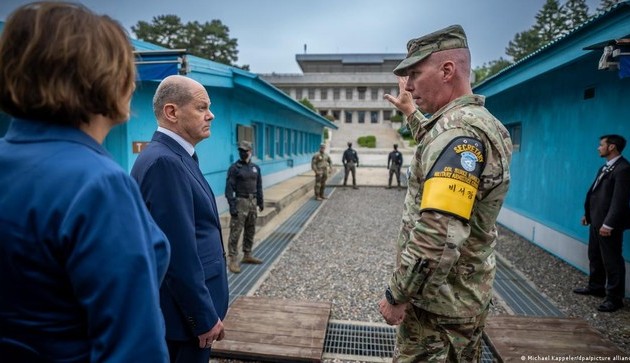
x=271, y=32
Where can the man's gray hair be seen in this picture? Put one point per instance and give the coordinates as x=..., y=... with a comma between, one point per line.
x=170, y=91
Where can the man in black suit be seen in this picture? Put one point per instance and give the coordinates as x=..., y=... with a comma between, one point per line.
x=607, y=211
x=194, y=294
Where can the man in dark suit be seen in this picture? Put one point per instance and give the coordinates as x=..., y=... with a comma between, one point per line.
x=607, y=211
x=194, y=294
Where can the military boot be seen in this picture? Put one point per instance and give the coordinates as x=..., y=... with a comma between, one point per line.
x=248, y=258
x=234, y=265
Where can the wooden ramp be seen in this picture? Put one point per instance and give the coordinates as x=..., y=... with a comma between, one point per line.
x=527, y=339
x=274, y=330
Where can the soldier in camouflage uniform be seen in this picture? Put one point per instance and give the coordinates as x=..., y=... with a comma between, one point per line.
x=243, y=191
x=441, y=289
x=322, y=166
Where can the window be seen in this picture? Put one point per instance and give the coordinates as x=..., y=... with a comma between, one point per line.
x=244, y=133
x=374, y=92
x=336, y=92
x=361, y=117
x=285, y=143
x=254, y=141
x=374, y=117
x=348, y=117
x=276, y=141
x=335, y=114
x=323, y=93
x=361, y=92
x=387, y=114
x=294, y=141
x=515, y=134
x=298, y=94
x=323, y=112
x=311, y=93
x=348, y=93
x=268, y=144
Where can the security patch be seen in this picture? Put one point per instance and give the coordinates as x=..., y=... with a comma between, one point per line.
x=452, y=183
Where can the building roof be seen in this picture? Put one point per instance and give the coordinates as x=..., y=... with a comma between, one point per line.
x=612, y=24
x=347, y=62
x=213, y=74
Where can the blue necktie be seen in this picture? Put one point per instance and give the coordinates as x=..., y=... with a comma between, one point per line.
x=195, y=158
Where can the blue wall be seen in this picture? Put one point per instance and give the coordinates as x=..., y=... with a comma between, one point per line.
x=231, y=107
x=558, y=157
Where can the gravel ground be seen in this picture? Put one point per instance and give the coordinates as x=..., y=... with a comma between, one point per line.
x=347, y=253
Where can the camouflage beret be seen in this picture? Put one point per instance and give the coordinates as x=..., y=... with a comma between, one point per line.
x=452, y=37
x=244, y=145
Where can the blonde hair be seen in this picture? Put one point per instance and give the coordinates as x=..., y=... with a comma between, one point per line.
x=62, y=63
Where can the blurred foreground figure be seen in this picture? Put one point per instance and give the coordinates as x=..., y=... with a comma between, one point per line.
x=81, y=259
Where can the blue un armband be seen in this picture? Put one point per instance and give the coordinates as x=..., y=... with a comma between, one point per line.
x=452, y=183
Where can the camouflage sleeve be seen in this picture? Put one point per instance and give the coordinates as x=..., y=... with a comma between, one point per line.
x=313, y=163
x=433, y=245
x=415, y=122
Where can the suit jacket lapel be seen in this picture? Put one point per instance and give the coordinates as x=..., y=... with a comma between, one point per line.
x=188, y=161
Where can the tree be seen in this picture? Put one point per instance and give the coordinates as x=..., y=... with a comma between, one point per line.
x=574, y=13
x=208, y=40
x=490, y=69
x=524, y=43
x=549, y=22
x=308, y=104
x=605, y=5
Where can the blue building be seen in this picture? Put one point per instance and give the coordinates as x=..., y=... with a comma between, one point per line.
x=556, y=104
x=285, y=133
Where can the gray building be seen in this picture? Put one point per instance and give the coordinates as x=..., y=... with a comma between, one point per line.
x=348, y=87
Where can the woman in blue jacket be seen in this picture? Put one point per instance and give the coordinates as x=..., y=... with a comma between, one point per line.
x=81, y=260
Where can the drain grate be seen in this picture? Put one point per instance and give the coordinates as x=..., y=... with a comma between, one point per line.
x=520, y=295
x=359, y=341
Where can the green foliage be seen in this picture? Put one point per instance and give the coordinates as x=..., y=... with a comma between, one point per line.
x=552, y=21
x=549, y=22
x=367, y=141
x=575, y=13
x=605, y=5
x=326, y=134
x=308, y=104
x=208, y=40
x=330, y=118
x=490, y=69
x=404, y=132
x=396, y=118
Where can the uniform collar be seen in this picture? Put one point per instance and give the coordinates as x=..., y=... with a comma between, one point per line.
x=465, y=100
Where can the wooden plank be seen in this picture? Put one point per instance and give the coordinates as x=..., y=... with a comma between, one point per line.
x=259, y=351
x=281, y=305
x=273, y=338
x=512, y=337
x=276, y=330
x=263, y=302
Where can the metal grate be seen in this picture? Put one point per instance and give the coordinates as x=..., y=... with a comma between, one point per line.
x=520, y=295
x=360, y=341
